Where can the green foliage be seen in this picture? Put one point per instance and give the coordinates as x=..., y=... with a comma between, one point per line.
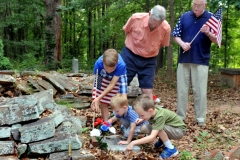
x=4, y=61
x=185, y=155
x=29, y=62
x=67, y=103
x=23, y=31
x=102, y=145
x=203, y=140
x=85, y=130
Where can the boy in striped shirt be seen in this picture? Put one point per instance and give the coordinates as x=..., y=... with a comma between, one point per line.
x=110, y=72
x=131, y=124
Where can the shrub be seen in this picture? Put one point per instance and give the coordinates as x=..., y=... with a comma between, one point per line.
x=4, y=61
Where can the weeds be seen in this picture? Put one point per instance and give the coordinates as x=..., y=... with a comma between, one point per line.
x=185, y=155
x=203, y=140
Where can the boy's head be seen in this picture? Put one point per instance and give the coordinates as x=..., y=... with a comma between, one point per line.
x=119, y=104
x=144, y=106
x=110, y=60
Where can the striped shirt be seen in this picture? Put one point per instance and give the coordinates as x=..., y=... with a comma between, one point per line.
x=130, y=116
x=104, y=79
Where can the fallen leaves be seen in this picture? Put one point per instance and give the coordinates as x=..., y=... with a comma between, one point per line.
x=222, y=124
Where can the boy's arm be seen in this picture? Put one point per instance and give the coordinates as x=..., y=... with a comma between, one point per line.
x=143, y=140
x=131, y=132
x=130, y=136
x=113, y=119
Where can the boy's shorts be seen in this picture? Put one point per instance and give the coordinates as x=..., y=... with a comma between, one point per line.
x=174, y=133
x=143, y=67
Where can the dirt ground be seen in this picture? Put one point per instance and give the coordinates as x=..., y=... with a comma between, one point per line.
x=222, y=124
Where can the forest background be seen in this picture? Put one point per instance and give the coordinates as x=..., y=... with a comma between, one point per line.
x=49, y=34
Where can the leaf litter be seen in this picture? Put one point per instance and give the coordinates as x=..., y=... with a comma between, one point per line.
x=221, y=130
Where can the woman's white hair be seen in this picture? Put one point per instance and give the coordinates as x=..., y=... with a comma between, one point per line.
x=158, y=12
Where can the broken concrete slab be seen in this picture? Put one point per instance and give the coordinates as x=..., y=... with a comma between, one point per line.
x=63, y=109
x=35, y=85
x=53, y=80
x=6, y=147
x=46, y=85
x=36, y=131
x=7, y=79
x=112, y=142
x=67, y=127
x=15, y=132
x=5, y=132
x=13, y=113
x=76, y=154
x=65, y=81
x=56, y=144
x=44, y=100
x=57, y=117
x=22, y=148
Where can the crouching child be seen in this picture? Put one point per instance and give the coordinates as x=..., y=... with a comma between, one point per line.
x=131, y=125
x=164, y=124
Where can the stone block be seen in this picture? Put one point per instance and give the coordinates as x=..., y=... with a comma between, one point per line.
x=56, y=144
x=5, y=132
x=233, y=154
x=21, y=149
x=36, y=131
x=14, y=113
x=215, y=154
x=57, y=117
x=76, y=154
x=6, y=147
x=112, y=142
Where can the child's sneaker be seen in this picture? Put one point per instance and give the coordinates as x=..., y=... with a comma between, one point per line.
x=167, y=153
x=158, y=144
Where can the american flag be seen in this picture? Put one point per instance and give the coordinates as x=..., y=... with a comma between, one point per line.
x=101, y=84
x=215, y=23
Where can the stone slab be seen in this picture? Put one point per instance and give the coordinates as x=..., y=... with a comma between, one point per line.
x=76, y=154
x=36, y=131
x=5, y=132
x=56, y=144
x=113, y=145
x=6, y=147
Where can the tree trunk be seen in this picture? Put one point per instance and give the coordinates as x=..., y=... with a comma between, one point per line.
x=53, y=50
x=170, y=48
x=90, y=56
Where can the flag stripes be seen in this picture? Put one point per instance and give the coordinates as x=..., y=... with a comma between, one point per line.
x=102, y=84
x=215, y=23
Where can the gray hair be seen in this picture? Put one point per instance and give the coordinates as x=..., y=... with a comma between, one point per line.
x=204, y=1
x=158, y=12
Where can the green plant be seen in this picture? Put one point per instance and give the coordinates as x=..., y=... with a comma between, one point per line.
x=4, y=61
x=203, y=140
x=102, y=145
x=185, y=155
x=85, y=130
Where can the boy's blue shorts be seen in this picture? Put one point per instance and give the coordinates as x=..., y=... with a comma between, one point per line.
x=143, y=67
